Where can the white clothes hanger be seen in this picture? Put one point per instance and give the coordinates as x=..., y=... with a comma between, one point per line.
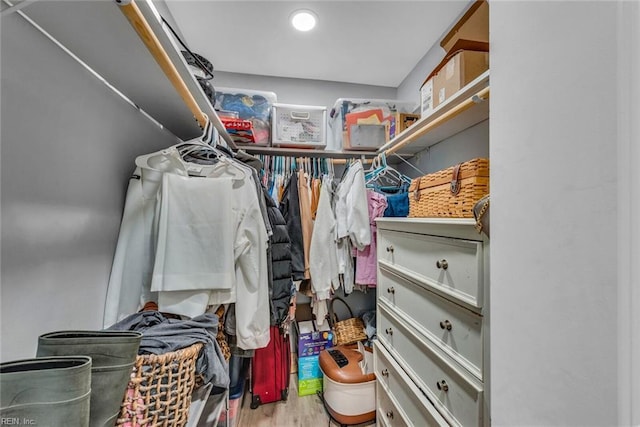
x=226, y=164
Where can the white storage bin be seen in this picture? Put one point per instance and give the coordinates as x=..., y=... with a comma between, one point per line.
x=299, y=126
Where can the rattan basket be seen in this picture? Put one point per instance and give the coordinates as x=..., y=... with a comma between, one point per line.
x=159, y=392
x=451, y=192
x=346, y=331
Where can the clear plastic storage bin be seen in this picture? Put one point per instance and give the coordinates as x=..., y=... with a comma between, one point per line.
x=364, y=124
x=253, y=107
x=299, y=126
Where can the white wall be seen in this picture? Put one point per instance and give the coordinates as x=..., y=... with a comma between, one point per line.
x=628, y=149
x=554, y=293
x=68, y=145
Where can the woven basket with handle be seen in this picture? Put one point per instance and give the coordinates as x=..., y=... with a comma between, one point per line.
x=346, y=331
x=451, y=192
x=159, y=392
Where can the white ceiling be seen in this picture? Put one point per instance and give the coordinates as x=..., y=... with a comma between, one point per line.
x=367, y=42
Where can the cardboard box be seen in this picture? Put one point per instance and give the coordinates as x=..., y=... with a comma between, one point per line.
x=426, y=97
x=473, y=25
x=459, y=70
x=312, y=340
x=310, y=386
x=467, y=67
x=403, y=121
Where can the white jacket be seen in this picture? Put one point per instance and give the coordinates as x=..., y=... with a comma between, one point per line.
x=352, y=211
x=130, y=281
x=323, y=261
x=352, y=221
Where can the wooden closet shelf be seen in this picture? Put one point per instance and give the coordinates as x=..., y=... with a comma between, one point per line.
x=468, y=107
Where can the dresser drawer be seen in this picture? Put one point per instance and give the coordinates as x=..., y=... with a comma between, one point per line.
x=388, y=414
x=455, y=393
x=456, y=330
x=453, y=267
x=398, y=392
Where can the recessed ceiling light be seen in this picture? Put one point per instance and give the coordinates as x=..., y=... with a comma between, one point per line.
x=303, y=20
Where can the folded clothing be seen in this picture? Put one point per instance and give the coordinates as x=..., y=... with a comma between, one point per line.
x=162, y=335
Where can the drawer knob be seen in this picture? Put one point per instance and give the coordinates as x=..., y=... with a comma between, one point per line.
x=390, y=414
x=388, y=331
x=390, y=248
x=385, y=373
x=443, y=264
x=391, y=290
x=446, y=325
x=442, y=385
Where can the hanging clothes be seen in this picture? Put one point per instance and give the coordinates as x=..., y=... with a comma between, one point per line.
x=290, y=208
x=130, y=279
x=397, y=199
x=352, y=211
x=281, y=288
x=315, y=196
x=366, y=259
x=192, y=211
x=247, y=248
x=280, y=261
x=352, y=221
x=323, y=257
x=305, y=217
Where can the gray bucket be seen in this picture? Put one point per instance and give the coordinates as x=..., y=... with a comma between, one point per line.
x=48, y=391
x=113, y=354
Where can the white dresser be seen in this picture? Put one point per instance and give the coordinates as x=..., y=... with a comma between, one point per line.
x=432, y=353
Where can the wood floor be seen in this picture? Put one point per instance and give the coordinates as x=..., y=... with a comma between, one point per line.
x=305, y=411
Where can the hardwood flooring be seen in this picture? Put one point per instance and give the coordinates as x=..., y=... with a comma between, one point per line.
x=305, y=411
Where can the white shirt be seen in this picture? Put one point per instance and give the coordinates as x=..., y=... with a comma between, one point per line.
x=130, y=281
x=323, y=261
x=352, y=221
x=352, y=211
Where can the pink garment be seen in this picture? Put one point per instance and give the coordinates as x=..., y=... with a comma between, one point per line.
x=366, y=271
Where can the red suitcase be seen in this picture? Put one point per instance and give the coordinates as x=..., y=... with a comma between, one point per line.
x=270, y=370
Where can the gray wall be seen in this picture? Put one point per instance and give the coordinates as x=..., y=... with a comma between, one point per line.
x=554, y=275
x=409, y=89
x=68, y=145
x=468, y=144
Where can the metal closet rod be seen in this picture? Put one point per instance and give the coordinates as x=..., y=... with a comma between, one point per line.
x=146, y=34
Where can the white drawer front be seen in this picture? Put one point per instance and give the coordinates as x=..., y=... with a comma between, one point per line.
x=457, y=330
x=388, y=414
x=398, y=391
x=456, y=394
x=449, y=266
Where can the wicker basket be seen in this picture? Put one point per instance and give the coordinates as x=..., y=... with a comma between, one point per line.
x=346, y=331
x=159, y=392
x=451, y=192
